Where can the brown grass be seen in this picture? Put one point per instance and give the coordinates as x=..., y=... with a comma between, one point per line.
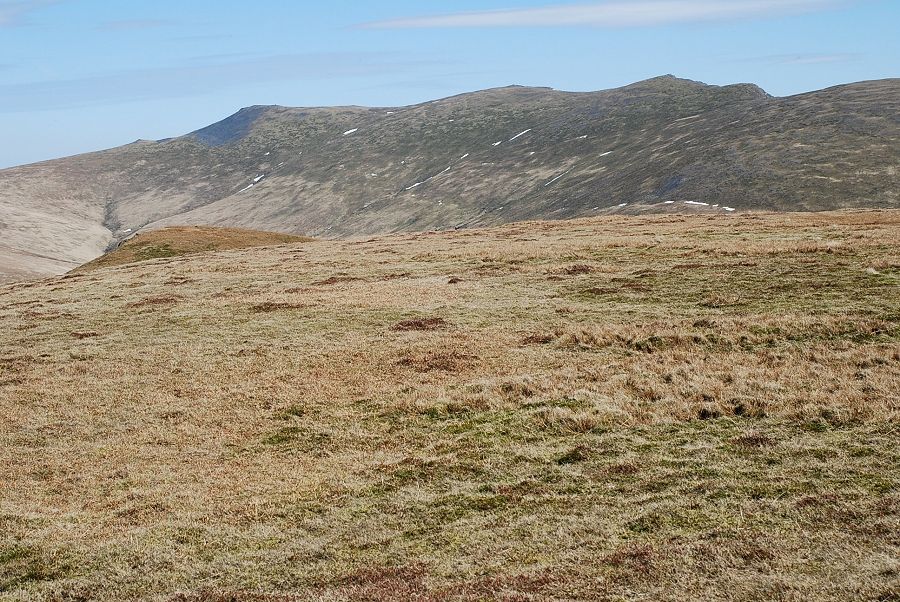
x=420, y=324
x=154, y=301
x=270, y=306
x=178, y=241
x=724, y=431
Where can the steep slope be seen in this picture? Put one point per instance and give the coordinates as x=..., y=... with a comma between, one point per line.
x=478, y=159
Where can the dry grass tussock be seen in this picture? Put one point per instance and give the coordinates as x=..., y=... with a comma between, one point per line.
x=613, y=409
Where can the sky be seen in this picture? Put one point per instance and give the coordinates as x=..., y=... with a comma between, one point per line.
x=83, y=75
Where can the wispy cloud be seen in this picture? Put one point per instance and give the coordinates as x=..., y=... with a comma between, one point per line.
x=202, y=76
x=806, y=59
x=13, y=12
x=617, y=13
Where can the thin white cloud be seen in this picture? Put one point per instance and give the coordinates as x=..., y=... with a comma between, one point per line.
x=813, y=59
x=618, y=13
x=803, y=58
x=12, y=13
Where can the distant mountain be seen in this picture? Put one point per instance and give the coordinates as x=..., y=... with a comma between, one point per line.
x=489, y=157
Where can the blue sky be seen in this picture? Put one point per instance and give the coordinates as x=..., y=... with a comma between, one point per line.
x=81, y=75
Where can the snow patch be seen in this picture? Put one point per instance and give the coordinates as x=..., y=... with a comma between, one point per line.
x=464, y=156
x=497, y=143
x=258, y=178
x=669, y=203
x=623, y=204
x=729, y=209
x=687, y=118
x=606, y=153
x=520, y=134
x=353, y=131
x=426, y=180
x=696, y=203
x=556, y=178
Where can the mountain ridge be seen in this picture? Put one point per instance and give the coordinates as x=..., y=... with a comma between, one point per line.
x=483, y=158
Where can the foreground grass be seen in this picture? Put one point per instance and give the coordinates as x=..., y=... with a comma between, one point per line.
x=654, y=408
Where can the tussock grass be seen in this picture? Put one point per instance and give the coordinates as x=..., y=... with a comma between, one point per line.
x=715, y=421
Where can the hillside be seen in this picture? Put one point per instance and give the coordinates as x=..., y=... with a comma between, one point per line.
x=616, y=408
x=175, y=242
x=487, y=158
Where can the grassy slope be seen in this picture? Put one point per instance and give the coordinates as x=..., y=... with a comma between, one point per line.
x=177, y=241
x=654, y=408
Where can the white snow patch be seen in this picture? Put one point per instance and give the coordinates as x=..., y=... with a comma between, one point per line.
x=582, y=137
x=128, y=230
x=464, y=156
x=729, y=209
x=623, y=204
x=390, y=112
x=520, y=134
x=497, y=143
x=245, y=189
x=426, y=180
x=556, y=178
x=531, y=154
x=258, y=178
x=687, y=118
x=696, y=203
x=353, y=131
x=669, y=203
x=267, y=154
x=606, y=153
